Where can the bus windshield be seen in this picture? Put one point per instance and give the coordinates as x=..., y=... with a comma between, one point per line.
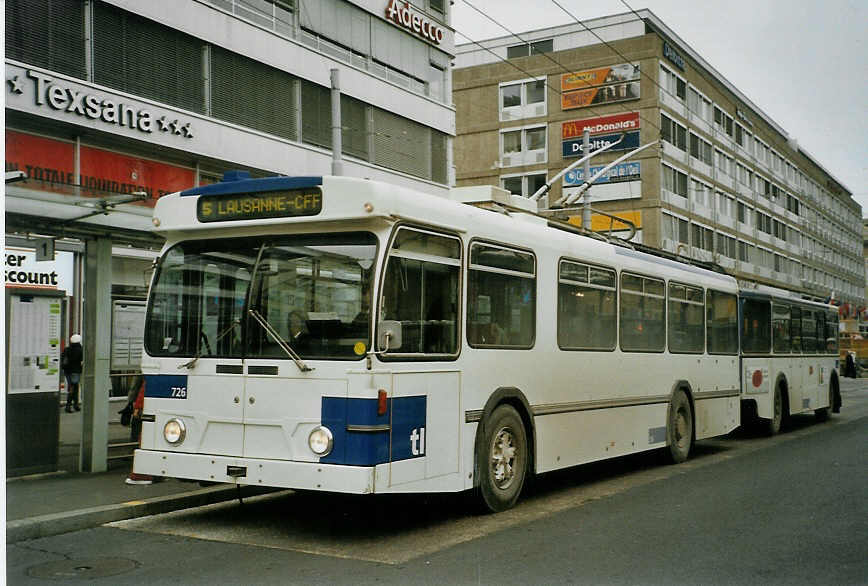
x=313, y=290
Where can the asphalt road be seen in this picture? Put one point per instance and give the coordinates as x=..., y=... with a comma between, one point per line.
x=745, y=509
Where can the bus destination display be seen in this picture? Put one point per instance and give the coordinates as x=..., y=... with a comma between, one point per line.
x=256, y=206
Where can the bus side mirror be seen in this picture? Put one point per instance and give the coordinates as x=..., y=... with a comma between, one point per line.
x=389, y=335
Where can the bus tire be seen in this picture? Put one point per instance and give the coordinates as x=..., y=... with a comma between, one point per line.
x=773, y=425
x=502, y=459
x=822, y=415
x=679, y=427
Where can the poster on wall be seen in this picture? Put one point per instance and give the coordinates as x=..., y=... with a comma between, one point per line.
x=51, y=162
x=588, y=78
x=609, y=94
x=601, y=85
x=620, y=173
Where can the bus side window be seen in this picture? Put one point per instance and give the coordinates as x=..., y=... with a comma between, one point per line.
x=501, y=297
x=781, y=328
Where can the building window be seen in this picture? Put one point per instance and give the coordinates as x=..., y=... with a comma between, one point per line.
x=674, y=181
x=701, y=149
x=48, y=34
x=703, y=238
x=745, y=251
x=673, y=84
x=672, y=132
x=525, y=146
x=534, y=48
x=699, y=104
x=523, y=185
x=525, y=99
x=723, y=121
x=144, y=58
x=726, y=245
x=743, y=212
x=701, y=193
x=675, y=228
x=249, y=93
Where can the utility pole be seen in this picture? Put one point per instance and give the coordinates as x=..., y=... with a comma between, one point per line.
x=586, y=210
x=337, y=147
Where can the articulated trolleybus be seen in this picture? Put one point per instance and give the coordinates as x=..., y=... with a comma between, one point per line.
x=340, y=334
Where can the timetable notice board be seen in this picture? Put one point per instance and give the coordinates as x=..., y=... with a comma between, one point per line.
x=34, y=344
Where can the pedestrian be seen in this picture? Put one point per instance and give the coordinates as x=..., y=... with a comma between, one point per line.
x=850, y=365
x=70, y=362
x=136, y=436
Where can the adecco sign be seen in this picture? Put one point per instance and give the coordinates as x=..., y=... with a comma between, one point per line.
x=401, y=14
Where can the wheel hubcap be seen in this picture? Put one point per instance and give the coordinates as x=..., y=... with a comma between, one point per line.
x=503, y=458
x=681, y=427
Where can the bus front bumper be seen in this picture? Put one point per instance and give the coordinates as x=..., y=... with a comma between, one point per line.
x=256, y=472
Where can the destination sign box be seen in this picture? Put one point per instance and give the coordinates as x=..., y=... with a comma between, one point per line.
x=257, y=206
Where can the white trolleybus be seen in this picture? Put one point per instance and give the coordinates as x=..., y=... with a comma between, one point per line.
x=789, y=356
x=339, y=334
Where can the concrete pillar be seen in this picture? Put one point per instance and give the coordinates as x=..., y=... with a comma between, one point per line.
x=97, y=354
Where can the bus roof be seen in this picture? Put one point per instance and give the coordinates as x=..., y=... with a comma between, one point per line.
x=351, y=199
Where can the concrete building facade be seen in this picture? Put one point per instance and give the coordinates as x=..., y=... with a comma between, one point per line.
x=726, y=184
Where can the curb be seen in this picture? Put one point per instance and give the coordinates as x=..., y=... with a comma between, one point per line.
x=58, y=523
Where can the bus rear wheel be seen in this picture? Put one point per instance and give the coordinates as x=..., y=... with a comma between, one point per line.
x=823, y=414
x=679, y=427
x=502, y=459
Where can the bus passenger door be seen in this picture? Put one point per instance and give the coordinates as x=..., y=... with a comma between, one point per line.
x=425, y=425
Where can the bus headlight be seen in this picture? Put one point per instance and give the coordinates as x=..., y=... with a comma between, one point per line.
x=174, y=431
x=321, y=441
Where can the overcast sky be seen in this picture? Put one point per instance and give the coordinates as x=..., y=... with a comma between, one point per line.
x=802, y=62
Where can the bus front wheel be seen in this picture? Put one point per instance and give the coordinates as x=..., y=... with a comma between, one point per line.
x=773, y=425
x=502, y=459
x=679, y=427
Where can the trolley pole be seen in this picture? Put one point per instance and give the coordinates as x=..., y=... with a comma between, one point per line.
x=337, y=147
x=586, y=210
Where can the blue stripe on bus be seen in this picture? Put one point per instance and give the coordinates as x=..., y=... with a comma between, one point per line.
x=369, y=448
x=254, y=185
x=166, y=386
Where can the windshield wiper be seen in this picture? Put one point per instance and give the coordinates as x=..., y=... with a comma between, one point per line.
x=204, y=336
x=280, y=341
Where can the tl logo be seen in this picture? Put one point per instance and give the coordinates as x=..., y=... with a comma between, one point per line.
x=417, y=442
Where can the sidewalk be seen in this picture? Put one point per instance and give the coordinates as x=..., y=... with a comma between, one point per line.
x=54, y=503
